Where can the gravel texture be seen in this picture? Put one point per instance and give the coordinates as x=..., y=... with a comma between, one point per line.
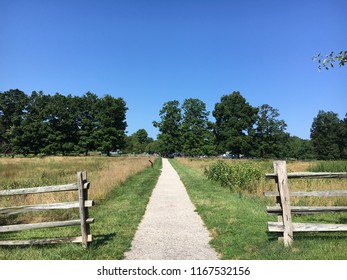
x=170, y=228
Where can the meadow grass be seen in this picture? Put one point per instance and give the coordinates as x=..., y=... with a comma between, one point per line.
x=117, y=214
x=329, y=166
x=238, y=222
x=261, y=185
x=103, y=172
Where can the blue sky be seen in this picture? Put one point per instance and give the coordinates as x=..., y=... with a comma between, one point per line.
x=150, y=52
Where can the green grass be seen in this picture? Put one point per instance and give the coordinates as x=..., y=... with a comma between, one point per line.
x=116, y=221
x=238, y=224
x=329, y=166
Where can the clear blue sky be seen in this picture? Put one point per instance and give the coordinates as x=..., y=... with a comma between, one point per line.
x=153, y=51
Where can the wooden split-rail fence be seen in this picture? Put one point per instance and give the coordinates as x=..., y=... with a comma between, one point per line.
x=81, y=186
x=284, y=210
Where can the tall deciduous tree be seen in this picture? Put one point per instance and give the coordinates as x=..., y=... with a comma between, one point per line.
x=270, y=136
x=170, y=128
x=111, y=123
x=197, y=134
x=138, y=142
x=141, y=136
x=13, y=106
x=87, y=122
x=34, y=130
x=301, y=149
x=325, y=135
x=61, y=116
x=235, y=118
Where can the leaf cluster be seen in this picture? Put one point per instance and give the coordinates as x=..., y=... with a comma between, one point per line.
x=328, y=61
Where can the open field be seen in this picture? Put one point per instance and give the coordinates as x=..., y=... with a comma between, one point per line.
x=104, y=173
x=238, y=222
x=266, y=166
x=117, y=211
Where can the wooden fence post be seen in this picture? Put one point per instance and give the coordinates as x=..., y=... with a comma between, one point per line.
x=282, y=185
x=83, y=196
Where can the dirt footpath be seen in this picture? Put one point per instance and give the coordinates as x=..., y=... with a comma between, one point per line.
x=170, y=228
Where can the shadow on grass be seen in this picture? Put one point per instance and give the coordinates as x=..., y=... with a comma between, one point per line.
x=302, y=236
x=103, y=239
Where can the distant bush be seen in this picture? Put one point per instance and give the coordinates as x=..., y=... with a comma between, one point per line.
x=242, y=176
x=329, y=166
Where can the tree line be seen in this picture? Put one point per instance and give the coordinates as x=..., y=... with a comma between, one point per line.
x=69, y=125
x=242, y=130
x=58, y=124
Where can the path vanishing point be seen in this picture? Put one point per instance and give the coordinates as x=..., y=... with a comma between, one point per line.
x=170, y=228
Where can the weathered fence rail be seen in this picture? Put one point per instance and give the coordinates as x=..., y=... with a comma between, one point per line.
x=284, y=209
x=81, y=186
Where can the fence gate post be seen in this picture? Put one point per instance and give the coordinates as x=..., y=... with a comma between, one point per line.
x=83, y=196
x=282, y=185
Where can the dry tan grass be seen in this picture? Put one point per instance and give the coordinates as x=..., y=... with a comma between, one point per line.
x=103, y=174
x=115, y=172
x=196, y=163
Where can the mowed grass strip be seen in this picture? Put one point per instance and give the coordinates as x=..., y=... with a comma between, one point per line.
x=238, y=224
x=117, y=216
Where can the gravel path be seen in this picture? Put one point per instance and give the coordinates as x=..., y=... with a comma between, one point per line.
x=170, y=229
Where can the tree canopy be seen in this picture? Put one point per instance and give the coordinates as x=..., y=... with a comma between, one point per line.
x=270, y=136
x=169, y=127
x=197, y=135
x=241, y=130
x=58, y=124
x=328, y=134
x=235, y=119
x=71, y=125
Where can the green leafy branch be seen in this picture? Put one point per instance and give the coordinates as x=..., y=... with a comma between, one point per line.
x=328, y=61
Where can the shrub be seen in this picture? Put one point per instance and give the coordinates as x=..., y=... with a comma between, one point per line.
x=242, y=176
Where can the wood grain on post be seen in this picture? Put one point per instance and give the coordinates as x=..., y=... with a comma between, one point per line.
x=311, y=175
x=302, y=227
x=312, y=193
x=40, y=207
x=77, y=239
x=282, y=185
x=82, y=194
x=20, y=227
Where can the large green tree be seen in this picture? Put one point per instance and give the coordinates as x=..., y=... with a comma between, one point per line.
x=235, y=119
x=87, y=122
x=270, y=138
x=34, y=130
x=137, y=142
x=170, y=128
x=325, y=132
x=301, y=149
x=13, y=107
x=197, y=135
x=111, y=115
x=61, y=116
